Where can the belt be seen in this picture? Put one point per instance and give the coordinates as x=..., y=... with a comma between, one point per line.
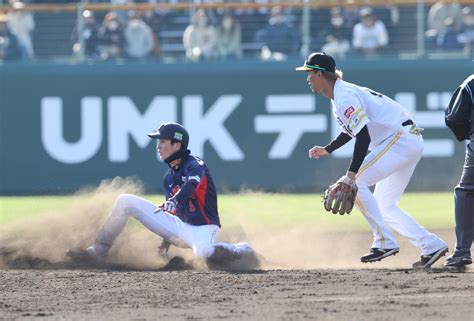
x=407, y=122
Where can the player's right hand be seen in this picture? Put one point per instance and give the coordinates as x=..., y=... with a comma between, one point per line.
x=169, y=206
x=317, y=151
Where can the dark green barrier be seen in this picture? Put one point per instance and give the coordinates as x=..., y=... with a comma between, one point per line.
x=64, y=126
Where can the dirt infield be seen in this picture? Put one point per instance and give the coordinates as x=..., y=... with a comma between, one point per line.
x=309, y=272
x=364, y=294
x=333, y=286
x=320, y=278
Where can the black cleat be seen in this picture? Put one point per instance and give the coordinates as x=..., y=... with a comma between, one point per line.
x=221, y=258
x=78, y=255
x=458, y=260
x=426, y=261
x=226, y=259
x=376, y=254
x=86, y=256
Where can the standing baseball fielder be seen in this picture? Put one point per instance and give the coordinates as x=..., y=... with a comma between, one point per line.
x=463, y=100
x=384, y=127
x=188, y=218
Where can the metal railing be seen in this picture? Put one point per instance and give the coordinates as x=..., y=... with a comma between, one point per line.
x=273, y=30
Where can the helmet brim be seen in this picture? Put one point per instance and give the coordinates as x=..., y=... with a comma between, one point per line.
x=154, y=135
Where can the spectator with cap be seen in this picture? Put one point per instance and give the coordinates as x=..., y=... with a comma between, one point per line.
x=370, y=35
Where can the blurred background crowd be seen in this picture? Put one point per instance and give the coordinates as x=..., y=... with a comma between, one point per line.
x=141, y=30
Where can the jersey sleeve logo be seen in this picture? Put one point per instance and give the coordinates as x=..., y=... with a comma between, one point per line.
x=195, y=178
x=349, y=112
x=356, y=119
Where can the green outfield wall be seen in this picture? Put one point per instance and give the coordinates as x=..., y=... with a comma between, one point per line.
x=68, y=126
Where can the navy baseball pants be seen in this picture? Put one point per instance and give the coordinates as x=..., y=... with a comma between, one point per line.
x=464, y=204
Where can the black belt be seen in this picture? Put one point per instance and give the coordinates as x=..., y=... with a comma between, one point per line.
x=407, y=122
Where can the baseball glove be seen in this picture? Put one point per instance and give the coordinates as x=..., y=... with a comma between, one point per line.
x=340, y=197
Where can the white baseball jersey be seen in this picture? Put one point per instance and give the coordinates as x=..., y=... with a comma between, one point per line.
x=395, y=151
x=355, y=107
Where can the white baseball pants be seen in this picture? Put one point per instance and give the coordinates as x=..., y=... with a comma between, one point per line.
x=201, y=239
x=389, y=166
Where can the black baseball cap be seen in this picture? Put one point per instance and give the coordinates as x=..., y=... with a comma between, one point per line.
x=173, y=131
x=318, y=61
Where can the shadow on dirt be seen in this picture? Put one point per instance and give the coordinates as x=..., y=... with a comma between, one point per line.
x=10, y=259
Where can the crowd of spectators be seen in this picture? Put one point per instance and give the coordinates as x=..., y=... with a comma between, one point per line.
x=450, y=27
x=268, y=33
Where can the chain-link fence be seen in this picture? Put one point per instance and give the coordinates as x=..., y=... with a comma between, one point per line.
x=153, y=30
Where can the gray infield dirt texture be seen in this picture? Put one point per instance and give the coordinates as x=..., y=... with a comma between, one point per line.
x=309, y=274
x=364, y=294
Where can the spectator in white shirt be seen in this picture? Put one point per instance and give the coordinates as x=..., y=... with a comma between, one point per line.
x=370, y=35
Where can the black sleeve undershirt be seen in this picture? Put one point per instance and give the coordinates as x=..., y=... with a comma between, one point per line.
x=186, y=191
x=360, y=149
x=339, y=141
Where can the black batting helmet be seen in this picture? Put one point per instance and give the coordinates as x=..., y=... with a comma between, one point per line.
x=173, y=131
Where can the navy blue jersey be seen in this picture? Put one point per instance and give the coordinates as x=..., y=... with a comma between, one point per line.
x=192, y=188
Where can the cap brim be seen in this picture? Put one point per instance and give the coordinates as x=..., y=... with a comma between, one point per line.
x=303, y=68
x=155, y=135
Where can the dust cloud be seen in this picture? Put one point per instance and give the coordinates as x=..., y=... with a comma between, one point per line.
x=47, y=236
x=316, y=247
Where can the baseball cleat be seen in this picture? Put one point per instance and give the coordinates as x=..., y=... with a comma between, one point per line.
x=87, y=255
x=376, y=254
x=227, y=259
x=426, y=261
x=221, y=257
x=458, y=260
x=78, y=255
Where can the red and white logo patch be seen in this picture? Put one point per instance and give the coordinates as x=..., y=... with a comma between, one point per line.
x=349, y=112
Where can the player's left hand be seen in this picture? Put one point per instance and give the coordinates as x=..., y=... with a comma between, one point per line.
x=340, y=197
x=169, y=206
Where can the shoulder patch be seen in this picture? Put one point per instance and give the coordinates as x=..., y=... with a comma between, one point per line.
x=355, y=119
x=349, y=112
